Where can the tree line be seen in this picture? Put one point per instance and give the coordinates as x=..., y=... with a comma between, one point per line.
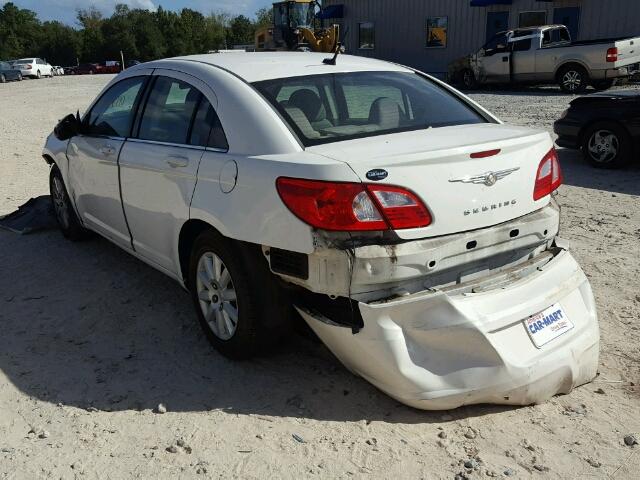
x=140, y=34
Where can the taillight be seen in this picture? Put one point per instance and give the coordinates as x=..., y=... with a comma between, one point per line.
x=549, y=176
x=486, y=154
x=28, y=67
x=339, y=206
x=612, y=55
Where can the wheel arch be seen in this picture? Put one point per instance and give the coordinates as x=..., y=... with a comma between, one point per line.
x=568, y=63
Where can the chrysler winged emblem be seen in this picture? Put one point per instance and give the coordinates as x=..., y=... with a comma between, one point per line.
x=489, y=178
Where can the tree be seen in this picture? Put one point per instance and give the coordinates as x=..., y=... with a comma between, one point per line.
x=140, y=34
x=91, y=39
x=264, y=18
x=240, y=32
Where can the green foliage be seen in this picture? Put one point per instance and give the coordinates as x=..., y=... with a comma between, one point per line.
x=140, y=34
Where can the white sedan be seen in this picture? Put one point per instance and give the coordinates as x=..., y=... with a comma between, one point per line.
x=410, y=228
x=33, y=67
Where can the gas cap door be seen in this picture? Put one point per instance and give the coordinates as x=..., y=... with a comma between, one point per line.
x=228, y=176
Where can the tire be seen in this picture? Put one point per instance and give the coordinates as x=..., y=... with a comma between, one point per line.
x=468, y=79
x=3, y=79
x=65, y=214
x=38, y=74
x=573, y=79
x=603, y=85
x=240, y=310
x=607, y=145
x=19, y=77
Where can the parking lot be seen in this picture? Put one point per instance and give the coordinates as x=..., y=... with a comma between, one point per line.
x=92, y=341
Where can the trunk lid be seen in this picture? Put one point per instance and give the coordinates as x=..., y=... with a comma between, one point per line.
x=436, y=164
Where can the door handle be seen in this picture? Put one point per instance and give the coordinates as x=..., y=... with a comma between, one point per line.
x=107, y=150
x=176, y=161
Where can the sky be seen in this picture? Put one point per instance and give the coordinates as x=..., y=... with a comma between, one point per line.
x=65, y=10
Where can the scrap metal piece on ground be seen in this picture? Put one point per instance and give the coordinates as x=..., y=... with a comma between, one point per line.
x=33, y=216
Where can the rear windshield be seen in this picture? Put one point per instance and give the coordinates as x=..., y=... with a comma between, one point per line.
x=24, y=60
x=343, y=106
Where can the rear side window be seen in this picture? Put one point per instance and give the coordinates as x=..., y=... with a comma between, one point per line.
x=364, y=104
x=207, y=130
x=113, y=113
x=169, y=111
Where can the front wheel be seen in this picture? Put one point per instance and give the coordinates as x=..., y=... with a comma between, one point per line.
x=3, y=79
x=65, y=214
x=607, y=145
x=19, y=77
x=573, y=79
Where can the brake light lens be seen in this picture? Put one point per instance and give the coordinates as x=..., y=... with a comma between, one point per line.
x=549, y=176
x=341, y=206
x=28, y=67
x=612, y=55
x=488, y=153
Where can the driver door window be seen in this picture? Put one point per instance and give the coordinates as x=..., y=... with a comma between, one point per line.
x=113, y=113
x=497, y=44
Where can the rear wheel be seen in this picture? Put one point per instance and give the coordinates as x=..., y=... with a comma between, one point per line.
x=3, y=79
x=573, y=79
x=65, y=214
x=38, y=74
x=607, y=145
x=234, y=296
x=603, y=85
x=19, y=77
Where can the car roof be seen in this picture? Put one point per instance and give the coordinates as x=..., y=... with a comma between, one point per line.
x=258, y=66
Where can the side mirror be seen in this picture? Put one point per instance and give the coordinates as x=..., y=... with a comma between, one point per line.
x=68, y=127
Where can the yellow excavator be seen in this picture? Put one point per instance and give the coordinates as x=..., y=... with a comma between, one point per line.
x=294, y=28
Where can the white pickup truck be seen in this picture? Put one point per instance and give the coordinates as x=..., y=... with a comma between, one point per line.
x=547, y=55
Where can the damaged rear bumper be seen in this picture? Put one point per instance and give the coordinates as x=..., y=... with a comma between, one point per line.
x=444, y=348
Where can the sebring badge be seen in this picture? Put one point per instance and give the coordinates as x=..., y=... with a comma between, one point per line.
x=489, y=179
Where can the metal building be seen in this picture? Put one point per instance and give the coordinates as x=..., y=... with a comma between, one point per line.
x=429, y=34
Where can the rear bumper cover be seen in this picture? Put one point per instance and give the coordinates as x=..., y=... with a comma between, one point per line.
x=439, y=350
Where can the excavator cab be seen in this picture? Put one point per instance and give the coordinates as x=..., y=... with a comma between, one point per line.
x=295, y=28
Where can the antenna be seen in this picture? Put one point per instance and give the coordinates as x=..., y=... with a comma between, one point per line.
x=332, y=61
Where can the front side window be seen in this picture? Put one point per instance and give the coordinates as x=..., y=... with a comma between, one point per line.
x=342, y=106
x=113, y=113
x=522, y=45
x=366, y=36
x=169, y=111
x=497, y=44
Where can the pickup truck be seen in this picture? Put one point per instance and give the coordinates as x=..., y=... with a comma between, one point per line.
x=547, y=55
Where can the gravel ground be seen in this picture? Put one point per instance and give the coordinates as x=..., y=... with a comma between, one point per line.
x=92, y=341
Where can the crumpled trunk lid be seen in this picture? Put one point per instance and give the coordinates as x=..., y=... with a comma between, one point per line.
x=461, y=192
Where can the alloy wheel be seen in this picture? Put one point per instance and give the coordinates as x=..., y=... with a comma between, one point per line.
x=60, y=205
x=217, y=296
x=603, y=146
x=572, y=80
